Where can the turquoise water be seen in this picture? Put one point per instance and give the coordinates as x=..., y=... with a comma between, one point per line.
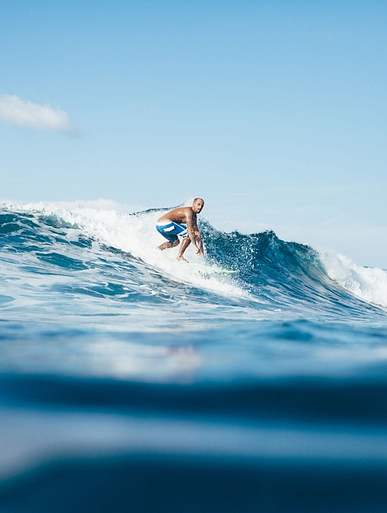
x=130, y=382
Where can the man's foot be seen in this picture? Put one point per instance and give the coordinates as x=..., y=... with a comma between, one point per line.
x=182, y=259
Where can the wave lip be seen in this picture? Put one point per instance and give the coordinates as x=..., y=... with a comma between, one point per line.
x=367, y=283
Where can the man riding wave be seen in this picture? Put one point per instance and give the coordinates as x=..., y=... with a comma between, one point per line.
x=182, y=222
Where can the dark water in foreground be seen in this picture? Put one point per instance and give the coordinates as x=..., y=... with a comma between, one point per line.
x=129, y=382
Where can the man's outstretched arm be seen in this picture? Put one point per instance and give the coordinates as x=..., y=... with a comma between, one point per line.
x=195, y=235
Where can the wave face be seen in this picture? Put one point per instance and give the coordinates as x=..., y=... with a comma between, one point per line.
x=120, y=367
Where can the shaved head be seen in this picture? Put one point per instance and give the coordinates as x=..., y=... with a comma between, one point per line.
x=197, y=205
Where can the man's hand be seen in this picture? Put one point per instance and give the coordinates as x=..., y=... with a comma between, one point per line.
x=199, y=250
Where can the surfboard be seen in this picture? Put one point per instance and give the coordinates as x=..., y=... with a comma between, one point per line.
x=209, y=270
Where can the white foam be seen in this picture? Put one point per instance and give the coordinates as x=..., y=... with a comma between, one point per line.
x=367, y=283
x=135, y=234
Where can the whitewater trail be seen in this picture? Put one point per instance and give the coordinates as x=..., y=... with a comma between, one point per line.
x=133, y=234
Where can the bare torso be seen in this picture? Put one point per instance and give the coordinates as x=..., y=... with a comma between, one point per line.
x=179, y=215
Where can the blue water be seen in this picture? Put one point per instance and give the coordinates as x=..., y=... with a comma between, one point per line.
x=132, y=383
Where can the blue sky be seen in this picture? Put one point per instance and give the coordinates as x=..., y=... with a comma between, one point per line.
x=273, y=111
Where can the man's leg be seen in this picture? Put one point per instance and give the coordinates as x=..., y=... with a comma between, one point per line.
x=167, y=245
x=184, y=245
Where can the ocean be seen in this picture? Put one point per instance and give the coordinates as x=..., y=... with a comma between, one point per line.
x=130, y=382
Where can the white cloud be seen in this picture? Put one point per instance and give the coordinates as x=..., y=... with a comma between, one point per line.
x=15, y=111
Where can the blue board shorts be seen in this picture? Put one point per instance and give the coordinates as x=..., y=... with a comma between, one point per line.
x=171, y=231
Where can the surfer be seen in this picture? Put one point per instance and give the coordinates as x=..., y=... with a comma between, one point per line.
x=181, y=222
